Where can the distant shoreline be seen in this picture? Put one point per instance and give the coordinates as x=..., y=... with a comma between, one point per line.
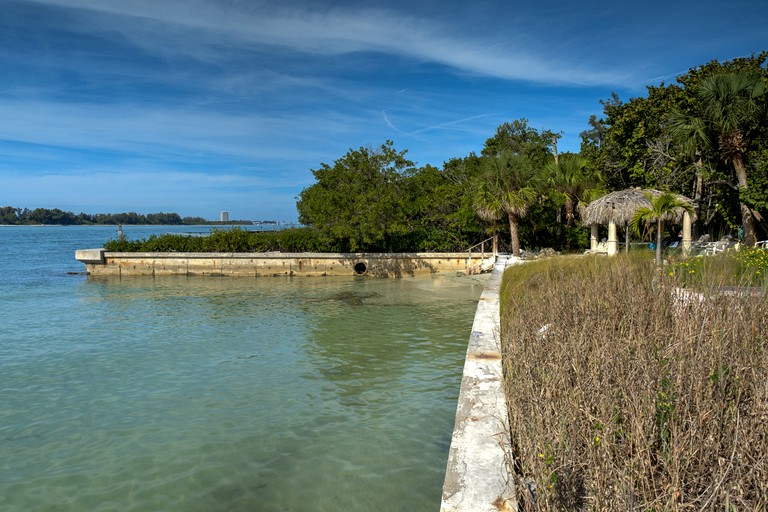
x=207, y=224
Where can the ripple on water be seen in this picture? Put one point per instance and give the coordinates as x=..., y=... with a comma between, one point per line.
x=225, y=395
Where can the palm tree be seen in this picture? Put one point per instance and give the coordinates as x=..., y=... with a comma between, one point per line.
x=569, y=178
x=729, y=107
x=507, y=185
x=693, y=136
x=663, y=208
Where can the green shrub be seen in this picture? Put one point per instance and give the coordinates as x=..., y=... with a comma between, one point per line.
x=745, y=267
x=123, y=245
x=753, y=265
x=227, y=240
x=304, y=239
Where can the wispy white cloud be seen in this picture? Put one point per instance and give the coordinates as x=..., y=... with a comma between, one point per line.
x=388, y=122
x=454, y=123
x=163, y=133
x=322, y=30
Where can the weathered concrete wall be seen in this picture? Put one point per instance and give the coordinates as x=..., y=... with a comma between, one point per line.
x=100, y=262
x=477, y=478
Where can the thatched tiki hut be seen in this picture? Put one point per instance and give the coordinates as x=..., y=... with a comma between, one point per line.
x=617, y=208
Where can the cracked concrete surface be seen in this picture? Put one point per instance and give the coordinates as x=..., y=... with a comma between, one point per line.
x=476, y=478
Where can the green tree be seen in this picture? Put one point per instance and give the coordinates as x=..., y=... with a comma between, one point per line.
x=637, y=143
x=438, y=214
x=520, y=139
x=697, y=143
x=720, y=123
x=663, y=208
x=694, y=139
x=9, y=215
x=507, y=186
x=593, y=139
x=462, y=173
x=167, y=219
x=731, y=105
x=633, y=130
x=359, y=198
x=572, y=182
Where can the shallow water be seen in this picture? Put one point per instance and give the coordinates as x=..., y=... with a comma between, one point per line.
x=221, y=394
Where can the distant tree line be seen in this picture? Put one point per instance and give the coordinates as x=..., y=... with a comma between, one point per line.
x=15, y=216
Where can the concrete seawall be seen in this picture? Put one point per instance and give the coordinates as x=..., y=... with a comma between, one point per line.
x=99, y=262
x=477, y=477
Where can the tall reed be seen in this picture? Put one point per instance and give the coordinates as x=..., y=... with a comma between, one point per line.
x=626, y=392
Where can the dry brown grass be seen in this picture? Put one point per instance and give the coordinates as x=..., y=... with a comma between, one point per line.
x=622, y=396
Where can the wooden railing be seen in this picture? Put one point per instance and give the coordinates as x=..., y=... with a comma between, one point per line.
x=474, y=269
x=494, y=247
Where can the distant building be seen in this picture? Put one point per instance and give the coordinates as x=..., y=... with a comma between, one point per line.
x=224, y=217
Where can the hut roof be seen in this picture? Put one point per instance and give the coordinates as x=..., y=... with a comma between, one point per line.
x=620, y=206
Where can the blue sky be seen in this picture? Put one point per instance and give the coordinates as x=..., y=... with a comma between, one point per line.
x=198, y=106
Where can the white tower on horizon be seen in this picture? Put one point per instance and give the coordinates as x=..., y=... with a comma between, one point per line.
x=224, y=217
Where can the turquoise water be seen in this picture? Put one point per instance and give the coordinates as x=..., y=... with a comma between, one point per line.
x=221, y=394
